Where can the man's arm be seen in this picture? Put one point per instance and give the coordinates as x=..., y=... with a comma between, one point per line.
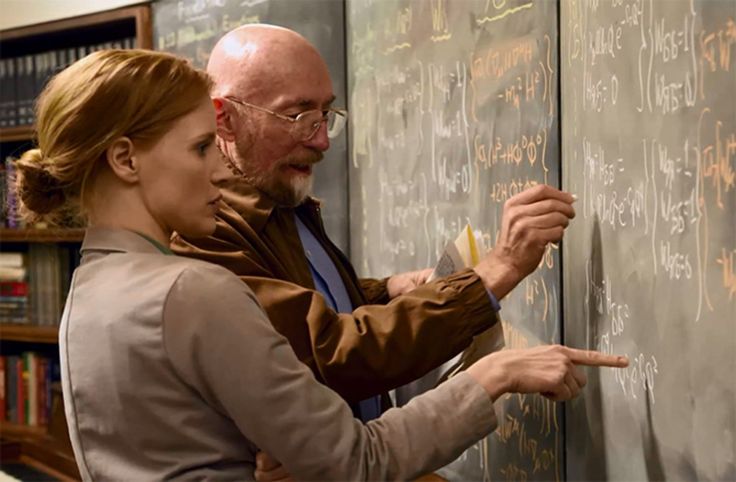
x=531, y=220
x=374, y=348
x=375, y=290
x=381, y=291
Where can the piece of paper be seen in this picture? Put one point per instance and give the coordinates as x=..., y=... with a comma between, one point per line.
x=458, y=254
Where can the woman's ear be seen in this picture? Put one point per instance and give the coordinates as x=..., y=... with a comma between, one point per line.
x=120, y=157
x=224, y=120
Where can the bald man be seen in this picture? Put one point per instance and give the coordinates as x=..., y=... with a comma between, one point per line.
x=361, y=337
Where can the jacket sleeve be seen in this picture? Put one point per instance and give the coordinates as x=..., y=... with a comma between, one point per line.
x=232, y=357
x=377, y=347
x=375, y=290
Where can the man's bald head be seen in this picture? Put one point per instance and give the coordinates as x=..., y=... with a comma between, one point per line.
x=257, y=57
x=267, y=79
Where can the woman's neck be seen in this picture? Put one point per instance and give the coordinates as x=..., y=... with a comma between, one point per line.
x=121, y=207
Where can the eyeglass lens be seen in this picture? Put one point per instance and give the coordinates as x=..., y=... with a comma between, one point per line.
x=308, y=123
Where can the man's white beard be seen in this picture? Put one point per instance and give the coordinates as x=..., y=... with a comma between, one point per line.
x=290, y=194
x=302, y=187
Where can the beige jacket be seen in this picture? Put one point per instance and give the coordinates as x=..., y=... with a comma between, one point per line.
x=170, y=369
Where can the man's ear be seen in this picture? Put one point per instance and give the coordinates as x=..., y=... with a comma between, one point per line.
x=120, y=157
x=224, y=119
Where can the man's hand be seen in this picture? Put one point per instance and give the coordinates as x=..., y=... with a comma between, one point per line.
x=402, y=283
x=270, y=470
x=531, y=219
x=551, y=370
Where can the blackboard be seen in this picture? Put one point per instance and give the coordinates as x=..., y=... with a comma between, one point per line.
x=191, y=28
x=444, y=94
x=454, y=109
x=649, y=145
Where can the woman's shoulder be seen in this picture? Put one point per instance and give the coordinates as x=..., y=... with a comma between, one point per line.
x=201, y=279
x=202, y=292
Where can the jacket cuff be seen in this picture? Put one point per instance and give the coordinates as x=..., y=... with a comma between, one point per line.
x=375, y=290
x=476, y=299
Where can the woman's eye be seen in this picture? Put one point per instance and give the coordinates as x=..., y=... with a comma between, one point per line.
x=202, y=148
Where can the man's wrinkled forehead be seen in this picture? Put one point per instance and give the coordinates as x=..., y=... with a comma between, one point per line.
x=288, y=100
x=299, y=82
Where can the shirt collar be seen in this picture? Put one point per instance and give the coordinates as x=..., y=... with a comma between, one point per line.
x=252, y=204
x=116, y=240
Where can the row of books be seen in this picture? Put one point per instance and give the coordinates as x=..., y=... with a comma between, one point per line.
x=25, y=388
x=34, y=284
x=22, y=78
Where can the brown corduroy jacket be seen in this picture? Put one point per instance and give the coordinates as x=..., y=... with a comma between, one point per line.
x=383, y=343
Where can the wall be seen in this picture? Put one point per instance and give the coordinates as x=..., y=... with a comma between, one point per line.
x=18, y=13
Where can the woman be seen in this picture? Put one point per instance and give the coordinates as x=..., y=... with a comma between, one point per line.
x=170, y=369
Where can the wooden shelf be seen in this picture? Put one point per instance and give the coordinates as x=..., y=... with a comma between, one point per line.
x=48, y=456
x=140, y=13
x=19, y=133
x=13, y=430
x=33, y=447
x=51, y=235
x=29, y=333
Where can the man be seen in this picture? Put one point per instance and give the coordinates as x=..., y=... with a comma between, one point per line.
x=273, y=96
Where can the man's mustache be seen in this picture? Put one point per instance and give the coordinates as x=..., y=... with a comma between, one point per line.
x=311, y=158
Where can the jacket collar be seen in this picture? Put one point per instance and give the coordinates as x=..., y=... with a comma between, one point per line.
x=116, y=240
x=253, y=205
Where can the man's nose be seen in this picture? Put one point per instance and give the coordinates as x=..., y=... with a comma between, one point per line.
x=319, y=140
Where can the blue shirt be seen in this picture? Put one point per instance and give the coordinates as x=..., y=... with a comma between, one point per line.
x=328, y=282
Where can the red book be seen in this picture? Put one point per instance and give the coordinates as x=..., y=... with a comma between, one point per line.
x=13, y=288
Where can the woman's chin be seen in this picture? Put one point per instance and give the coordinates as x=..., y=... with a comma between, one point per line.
x=204, y=230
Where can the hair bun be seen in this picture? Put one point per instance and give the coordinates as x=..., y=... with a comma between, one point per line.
x=38, y=189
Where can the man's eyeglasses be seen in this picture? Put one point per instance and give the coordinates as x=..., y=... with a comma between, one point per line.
x=306, y=124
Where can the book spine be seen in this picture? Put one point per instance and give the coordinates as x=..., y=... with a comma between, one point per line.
x=4, y=101
x=41, y=390
x=32, y=401
x=21, y=392
x=12, y=93
x=14, y=288
x=3, y=413
x=11, y=388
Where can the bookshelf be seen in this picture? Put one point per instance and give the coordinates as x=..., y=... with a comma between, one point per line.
x=17, y=133
x=15, y=430
x=29, y=333
x=63, y=235
x=42, y=50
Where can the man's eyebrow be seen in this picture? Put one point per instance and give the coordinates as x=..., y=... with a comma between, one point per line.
x=306, y=103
